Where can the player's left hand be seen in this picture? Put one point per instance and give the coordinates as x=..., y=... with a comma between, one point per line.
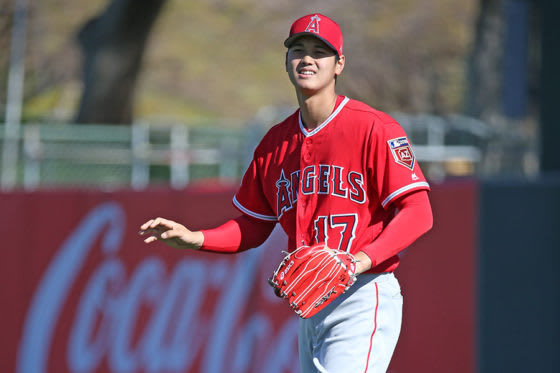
x=363, y=262
x=312, y=277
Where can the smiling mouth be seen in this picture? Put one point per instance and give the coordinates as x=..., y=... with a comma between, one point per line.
x=306, y=72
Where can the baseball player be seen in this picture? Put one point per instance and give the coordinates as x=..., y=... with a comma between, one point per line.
x=335, y=171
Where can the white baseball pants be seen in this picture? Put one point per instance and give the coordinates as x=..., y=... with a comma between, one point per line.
x=357, y=332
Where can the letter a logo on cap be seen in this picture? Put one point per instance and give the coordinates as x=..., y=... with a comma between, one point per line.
x=313, y=25
x=328, y=31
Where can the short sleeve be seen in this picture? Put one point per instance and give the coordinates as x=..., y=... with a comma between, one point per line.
x=250, y=199
x=395, y=168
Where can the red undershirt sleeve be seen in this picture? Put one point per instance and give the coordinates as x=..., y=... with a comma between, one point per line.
x=236, y=235
x=414, y=218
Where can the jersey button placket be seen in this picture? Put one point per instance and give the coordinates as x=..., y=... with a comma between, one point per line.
x=306, y=151
x=303, y=200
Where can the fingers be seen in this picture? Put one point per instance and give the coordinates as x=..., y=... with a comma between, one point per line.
x=145, y=226
x=171, y=233
x=150, y=239
x=157, y=225
x=158, y=234
x=158, y=228
x=157, y=222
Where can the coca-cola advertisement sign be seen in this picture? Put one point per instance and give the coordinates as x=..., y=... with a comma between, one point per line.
x=82, y=292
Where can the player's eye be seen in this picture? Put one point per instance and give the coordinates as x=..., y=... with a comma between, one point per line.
x=322, y=50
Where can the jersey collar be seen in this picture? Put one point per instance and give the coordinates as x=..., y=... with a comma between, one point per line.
x=324, y=124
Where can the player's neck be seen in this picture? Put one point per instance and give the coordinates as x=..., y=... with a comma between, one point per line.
x=316, y=109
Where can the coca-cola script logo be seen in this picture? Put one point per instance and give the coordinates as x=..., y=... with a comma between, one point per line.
x=181, y=334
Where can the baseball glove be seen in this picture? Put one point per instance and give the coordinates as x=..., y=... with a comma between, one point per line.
x=311, y=277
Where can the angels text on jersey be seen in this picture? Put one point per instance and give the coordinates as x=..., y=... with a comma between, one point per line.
x=323, y=179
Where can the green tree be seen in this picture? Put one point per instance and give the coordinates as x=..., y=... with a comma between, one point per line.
x=113, y=44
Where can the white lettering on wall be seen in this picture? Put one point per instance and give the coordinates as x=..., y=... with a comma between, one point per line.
x=178, y=331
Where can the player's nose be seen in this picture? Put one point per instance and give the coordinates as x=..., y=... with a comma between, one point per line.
x=307, y=59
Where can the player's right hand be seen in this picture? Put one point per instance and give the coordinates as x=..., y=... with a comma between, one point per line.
x=171, y=233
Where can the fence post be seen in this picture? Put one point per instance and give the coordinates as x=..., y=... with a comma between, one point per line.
x=140, y=142
x=179, y=142
x=436, y=140
x=16, y=74
x=229, y=152
x=32, y=156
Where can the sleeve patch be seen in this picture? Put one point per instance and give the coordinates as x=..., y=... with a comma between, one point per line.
x=402, y=152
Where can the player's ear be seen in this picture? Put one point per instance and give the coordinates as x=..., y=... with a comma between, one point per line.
x=339, y=64
x=286, y=62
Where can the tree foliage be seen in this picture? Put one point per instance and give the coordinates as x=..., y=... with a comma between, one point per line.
x=224, y=58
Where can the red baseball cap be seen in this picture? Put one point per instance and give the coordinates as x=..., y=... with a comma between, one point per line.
x=319, y=26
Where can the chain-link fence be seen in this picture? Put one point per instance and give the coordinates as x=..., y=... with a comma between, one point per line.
x=114, y=156
x=457, y=145
x=53, y=155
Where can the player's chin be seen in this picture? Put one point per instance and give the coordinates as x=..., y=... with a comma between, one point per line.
x=311, y=90
x=306, y=86
x=310, y=86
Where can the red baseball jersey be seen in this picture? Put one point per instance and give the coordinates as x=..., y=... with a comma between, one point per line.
x=334, y=184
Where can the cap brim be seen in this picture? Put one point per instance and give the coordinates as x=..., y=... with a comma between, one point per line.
x=289, y=41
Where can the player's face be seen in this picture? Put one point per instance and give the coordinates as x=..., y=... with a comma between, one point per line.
x=312, y=65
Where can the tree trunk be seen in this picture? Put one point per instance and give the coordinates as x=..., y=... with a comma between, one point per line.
x=485, y=65
x=113, y=44
x=503, y=81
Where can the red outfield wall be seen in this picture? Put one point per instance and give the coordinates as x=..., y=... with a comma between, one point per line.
x=82, y=293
